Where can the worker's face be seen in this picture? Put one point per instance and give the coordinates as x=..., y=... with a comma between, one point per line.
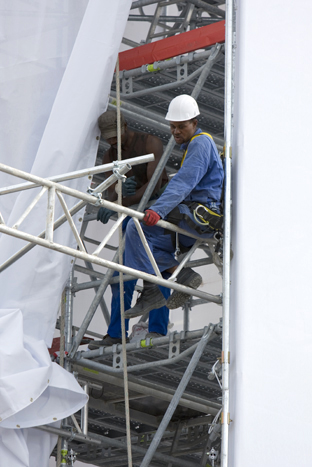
x=183, y=131
x=112, y=141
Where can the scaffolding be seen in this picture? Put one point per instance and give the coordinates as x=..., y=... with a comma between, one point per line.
x=177, y=386
x=170, y=369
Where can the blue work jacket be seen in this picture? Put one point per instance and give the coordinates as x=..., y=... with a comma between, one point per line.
x=199, y=179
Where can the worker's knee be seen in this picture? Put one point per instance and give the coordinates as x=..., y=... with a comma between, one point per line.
x=131, y=229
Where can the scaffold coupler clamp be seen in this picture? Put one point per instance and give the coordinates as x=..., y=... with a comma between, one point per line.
x=71, y=458
x=116, y=169
x=216, y=372
x=72, y=436
x=219, y=326
x=213, y=455
x=95, y=194
x=174, y=345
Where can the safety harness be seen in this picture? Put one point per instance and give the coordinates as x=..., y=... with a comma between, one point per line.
x=203, y=216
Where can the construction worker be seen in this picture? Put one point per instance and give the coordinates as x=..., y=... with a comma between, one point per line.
x=191, y=200
x=133, y=144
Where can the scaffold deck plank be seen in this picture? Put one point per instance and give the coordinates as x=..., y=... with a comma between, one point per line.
x=150, y=391
x=172, y=46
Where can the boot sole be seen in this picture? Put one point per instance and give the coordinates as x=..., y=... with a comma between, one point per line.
x=95, y=346
x=177, y=299
x=132, y=314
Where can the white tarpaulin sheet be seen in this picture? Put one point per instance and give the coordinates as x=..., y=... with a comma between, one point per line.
x=57, y=60
x=271, y=318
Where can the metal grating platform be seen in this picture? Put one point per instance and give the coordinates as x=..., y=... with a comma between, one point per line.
x=150, y=391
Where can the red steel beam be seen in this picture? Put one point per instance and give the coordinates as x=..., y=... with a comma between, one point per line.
x=172, y=46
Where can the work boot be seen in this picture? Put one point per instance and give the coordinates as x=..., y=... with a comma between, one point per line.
x=151, y=298
x=107, y=341
x=186, y=277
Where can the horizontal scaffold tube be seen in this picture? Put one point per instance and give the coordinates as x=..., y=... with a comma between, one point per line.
x=165, y=64
x=77, y=174
x=159, y=341
x=84, y=361
x=104, y=441
x=109, y=264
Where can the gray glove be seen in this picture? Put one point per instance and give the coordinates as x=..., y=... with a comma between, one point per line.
x=128, y=186
x=104, y=214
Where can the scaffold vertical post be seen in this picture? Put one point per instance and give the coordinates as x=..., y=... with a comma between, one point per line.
x=186, y=316
x=121, y=281
x=84, y=412
x=68, y=341
x=95, y=302
x=227, y=233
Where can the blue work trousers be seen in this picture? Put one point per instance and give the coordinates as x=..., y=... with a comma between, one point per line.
x=158, y=319
x=160, y=243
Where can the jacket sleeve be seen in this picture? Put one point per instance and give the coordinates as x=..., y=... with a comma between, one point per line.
x=195, y=165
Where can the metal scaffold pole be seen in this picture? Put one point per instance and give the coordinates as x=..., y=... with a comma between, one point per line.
x=225, y=418
x=68, y=322
x=121, y=281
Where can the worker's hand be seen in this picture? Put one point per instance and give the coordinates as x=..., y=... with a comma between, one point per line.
x=104, y=214
x=151, y=217
x=128, y=186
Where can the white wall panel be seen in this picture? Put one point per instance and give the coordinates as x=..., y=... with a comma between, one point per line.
x=271, y=319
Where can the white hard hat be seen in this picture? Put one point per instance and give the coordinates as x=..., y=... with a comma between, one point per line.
x=182, y=108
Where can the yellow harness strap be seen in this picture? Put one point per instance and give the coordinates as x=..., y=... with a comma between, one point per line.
x=193, y=137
